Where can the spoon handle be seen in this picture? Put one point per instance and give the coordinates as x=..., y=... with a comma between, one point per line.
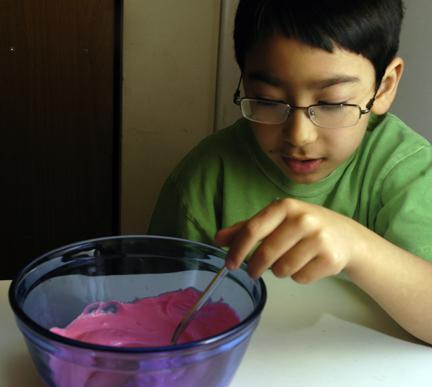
x=205, y=295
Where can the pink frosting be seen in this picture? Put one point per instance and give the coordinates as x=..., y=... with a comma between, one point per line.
x=146, y=322
x=149, y=321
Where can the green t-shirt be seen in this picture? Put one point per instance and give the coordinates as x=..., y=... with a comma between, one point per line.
x=386, y=185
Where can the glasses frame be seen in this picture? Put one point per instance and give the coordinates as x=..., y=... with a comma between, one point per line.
x=308, y=109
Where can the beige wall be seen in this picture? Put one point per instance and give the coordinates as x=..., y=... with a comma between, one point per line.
x=170, y=65
x=414, y=97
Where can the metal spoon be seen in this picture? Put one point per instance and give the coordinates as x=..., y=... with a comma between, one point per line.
x=205, y=295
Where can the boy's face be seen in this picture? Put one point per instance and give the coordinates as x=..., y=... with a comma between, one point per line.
x=284, y=69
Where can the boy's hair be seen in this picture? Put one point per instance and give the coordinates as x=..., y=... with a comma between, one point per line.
x=370, y=28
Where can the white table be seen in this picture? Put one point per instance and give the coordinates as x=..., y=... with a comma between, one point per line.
x=325, y=334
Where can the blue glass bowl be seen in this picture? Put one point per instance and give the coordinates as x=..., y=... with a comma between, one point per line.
x=54, y=289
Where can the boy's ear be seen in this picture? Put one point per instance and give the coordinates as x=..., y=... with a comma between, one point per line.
x=388, y=87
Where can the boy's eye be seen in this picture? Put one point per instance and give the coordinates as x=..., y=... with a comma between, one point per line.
x=266, y=98
x=332, y=102
x=266, y=103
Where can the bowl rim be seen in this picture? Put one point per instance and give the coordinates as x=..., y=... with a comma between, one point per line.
x=44, y=332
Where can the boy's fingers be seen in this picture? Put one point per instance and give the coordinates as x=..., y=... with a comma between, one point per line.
x=274, y=248
x=313, y=271
x=295, y=258
x=225, y=235
x=251, y=232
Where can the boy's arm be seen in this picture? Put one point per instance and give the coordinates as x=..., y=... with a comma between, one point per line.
x=400, y=278
x=399, y=281
x=172, y=217
x=308, y=242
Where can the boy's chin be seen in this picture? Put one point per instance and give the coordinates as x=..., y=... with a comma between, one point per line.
x=306, y=178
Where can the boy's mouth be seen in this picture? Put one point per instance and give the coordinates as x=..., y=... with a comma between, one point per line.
x=302, y=166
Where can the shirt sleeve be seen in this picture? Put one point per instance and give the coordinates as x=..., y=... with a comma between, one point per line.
x=171, y=216
x=405, y=216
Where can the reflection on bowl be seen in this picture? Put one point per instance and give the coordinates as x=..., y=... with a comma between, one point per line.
x=55, y=288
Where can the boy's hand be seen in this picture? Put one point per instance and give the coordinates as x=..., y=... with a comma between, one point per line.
x=298, y=239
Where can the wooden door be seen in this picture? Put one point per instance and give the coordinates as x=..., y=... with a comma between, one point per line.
x=59, y=124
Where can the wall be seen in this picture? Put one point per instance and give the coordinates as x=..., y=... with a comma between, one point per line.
x=413, y=103
x=228, y=72
x=170, y=65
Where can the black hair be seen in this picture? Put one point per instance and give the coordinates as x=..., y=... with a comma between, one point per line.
x=370, y=28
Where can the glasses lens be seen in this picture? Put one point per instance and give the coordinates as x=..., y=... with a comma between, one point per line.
x=262, y=111
x=334, y=116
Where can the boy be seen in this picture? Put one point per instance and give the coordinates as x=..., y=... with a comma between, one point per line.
x=317, y=173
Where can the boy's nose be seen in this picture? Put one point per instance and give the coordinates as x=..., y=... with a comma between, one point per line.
x=299, y=130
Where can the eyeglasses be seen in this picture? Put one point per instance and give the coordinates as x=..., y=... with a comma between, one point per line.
x=325, y=115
